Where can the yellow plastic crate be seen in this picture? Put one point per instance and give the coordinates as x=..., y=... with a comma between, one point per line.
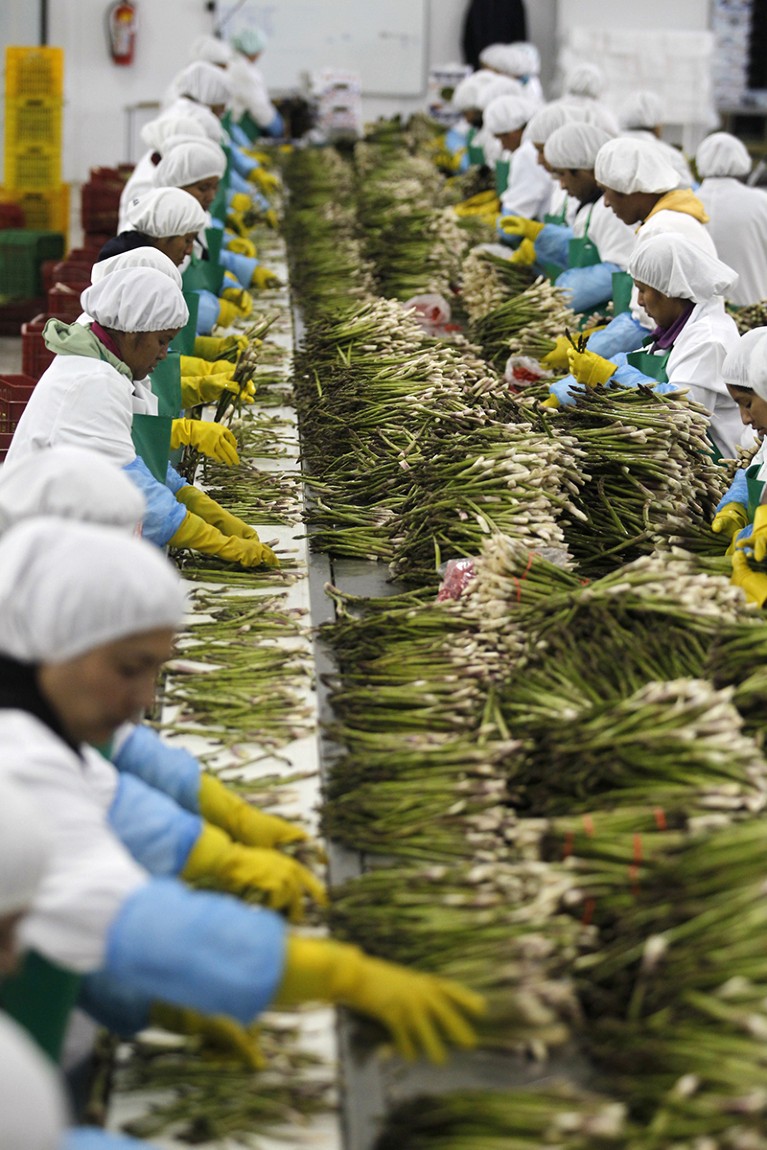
x=33, y=120
x=34, y=72
x=35, y=169
x=44, y=211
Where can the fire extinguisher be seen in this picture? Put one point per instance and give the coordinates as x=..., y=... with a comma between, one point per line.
x=122, y=22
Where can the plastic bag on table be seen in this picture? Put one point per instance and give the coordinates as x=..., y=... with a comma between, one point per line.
x=521, y=370
x=432, y=311
x=458, y=573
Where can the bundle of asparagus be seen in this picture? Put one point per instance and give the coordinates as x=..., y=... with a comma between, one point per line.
x=489, y=280
x=525, y=324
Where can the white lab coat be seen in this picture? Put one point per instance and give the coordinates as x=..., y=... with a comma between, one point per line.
x=250, y=93
x=614, y=239
x=140, y=181
x=696, y=363
x=529, y=189
x=90, y=874
x=739, y=229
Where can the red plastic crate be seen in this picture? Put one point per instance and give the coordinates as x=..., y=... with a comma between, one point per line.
x=100, y=207
x=15, y=391
x=35, y=356
x=64, y=301
x=74, y=271
x=17, y=312
x=5, y=443
x=11, y=216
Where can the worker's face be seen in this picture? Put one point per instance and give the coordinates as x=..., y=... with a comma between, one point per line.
x=141, y=351
x=664, y=309
x=176, y=248
x=628, y=206
x=218, y=110
x=753, y=409
x=9, y=951
x=579, y=183
x=541, y=158
x=474, y=117
x=510, y=140
x=204, y=191
x=95, y=693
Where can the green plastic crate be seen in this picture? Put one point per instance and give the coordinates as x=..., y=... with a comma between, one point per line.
x=22, y=253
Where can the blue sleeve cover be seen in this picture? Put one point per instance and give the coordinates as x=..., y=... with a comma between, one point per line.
x=623, y=333
x=628, y=376
x=113, y=1005
x=238, y=183
x=238, y=136
x=174, y=481
x=276, y=126
x=240, y=266
x=156, y=830
x=737, y=491
x=207, y=312
x=191, y=948
x=551, y=245
x=745, y=532
x=588, y=287
x=241, y=163
x=93, y=1138
x=164, y=514
x=169, y=769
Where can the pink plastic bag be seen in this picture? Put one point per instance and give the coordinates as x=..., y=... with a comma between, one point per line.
x=458, y=574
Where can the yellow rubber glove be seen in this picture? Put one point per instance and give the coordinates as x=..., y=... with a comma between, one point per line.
x=200, y=503
x=520, y=226
x=556, y=359
x=752, y=583
x=481, y=204
x=422, y=1012
x=212, y=439
x=552, y=401
x=240, y=202
x=590, y=368
x=197, y=535
x=242, y=246
x=228, y=313
x=212, y=346
x=525, y=254
x=217, y=1032
x=241, y=821
x=757, y=540
x=732, y=518
x=260, y=156
x=264, y=278
x=266, y=182
x=241, y=299
x=197, y=389
x=271, y=218
x=237, y=869
x=197, y=365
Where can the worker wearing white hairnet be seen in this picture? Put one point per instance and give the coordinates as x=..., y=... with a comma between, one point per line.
x=583, y=258
x=145, y=257
x=741, y=514
x=211, y=49
x=90, y=393
x=529, y=187
x=738, y=213
x=641, y=115
x=458, y=150
x=496, y=155
x=154, y=134
x=250, y=95
x=642, y=188
x=562, y=208
x=80, y=610
x=165, y=218
x=522, y=61
x=682, y=289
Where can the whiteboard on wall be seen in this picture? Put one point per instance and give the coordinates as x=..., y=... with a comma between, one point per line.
x=384, y=41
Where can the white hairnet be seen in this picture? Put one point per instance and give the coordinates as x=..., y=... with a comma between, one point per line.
x=677, y=267
x=500, y=86
x=251, y=41
x=63, y=593
x=137, y=299
x=68, y=483
x=641, y=109
x=746, y=365
x=466, y=93
x=204, y=82
x=189, y=162
x=212, y=50
x=166, y=211
x=32, y=1109
x=144, y=257
x=518, y=59
x=630, y=165
x=547, y=119
x=721, y=154
x=208, y=121
x=585, y=80
x=506, y=114
x=594, y=112
x=156, y=132
x=23, y=850
x=575, y=145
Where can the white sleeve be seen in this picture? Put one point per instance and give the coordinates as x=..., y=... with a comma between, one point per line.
x=528, y=192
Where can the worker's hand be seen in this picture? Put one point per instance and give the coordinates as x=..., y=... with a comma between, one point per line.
x=757, y=540
x=266, y=182
x=212, y=439
x=481, y=204
x=201, y=504
x=196, y=365
x=271, y=218
x=524, y=255
x=217, y=1032
x=552, y=401
x=732, y=518
x=423, y=1013
x=240, y=298
x=752, y=583
x=248, y=553
x=193, y=532
x=212, y=346
x=590, y=368
x=264, y=278
x=284, y=883
x=520, y=226
x=240, y=202
x=556, y=359
x=260, y=156
x=197, y=389
x=449, y=161
x=242, y=247
x=242, y=821
x=228, y=313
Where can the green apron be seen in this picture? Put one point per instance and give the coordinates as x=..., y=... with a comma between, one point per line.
x=249, y=127
x=476, y=154
x=755, y=488
x=652, y=364
x=581, y=251
x=218, y=207
x=151, y=438
x=203, y=275
x=184, y=341
x=40, y=997
x=502, y=169
x=166, y=385
x=559, y=218
x=623, y=285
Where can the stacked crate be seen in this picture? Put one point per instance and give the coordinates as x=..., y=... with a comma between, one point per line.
x=34, y=95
